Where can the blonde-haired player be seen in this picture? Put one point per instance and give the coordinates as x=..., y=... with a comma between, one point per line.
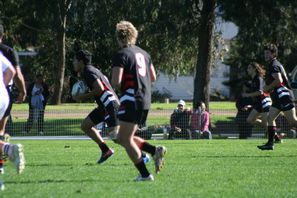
x=133, y=72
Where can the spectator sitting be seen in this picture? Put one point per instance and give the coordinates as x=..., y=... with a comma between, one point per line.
x=179, y=122
x=200, y=122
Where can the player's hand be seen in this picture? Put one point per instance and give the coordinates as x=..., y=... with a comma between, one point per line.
x=21, y=97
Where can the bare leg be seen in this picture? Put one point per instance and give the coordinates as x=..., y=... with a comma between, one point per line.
x=126, y=139
x=291, y=117
x=3, y=122
x=88, y=127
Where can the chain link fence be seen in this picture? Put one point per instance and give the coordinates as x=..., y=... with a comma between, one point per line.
x=224, y=124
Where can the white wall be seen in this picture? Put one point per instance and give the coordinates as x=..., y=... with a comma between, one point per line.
x=182, y=87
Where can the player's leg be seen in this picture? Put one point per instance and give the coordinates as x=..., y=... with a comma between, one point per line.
x=253, y=117
x=271, y=128
x=291, y=116
x=95, y=117
x=157, y=152
x=3, y=122
x=126, y=139
x=15, y=154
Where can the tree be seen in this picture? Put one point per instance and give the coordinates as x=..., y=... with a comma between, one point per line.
x=203, y=65
x=260, y=22
x=60, y=16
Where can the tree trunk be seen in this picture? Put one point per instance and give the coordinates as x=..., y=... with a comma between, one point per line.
x=61, y=35
x=203, y=65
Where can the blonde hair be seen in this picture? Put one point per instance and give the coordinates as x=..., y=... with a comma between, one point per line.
x=126, y=33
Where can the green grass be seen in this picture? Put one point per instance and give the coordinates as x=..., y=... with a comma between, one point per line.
x=197, y=168
x=155, y=106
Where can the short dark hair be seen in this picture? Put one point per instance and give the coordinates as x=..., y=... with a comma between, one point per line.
x=85, y=56
x=1, y=30
x=272, y=48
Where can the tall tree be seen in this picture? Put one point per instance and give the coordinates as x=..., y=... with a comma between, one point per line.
x=60, y=16
x=203, y=65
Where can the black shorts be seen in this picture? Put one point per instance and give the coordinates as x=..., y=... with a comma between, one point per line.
x=129, y=113
x=282, y=99
x=263, y=105
x=105, y=114
x=8, y=110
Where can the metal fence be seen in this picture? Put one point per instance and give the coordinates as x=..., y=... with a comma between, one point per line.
x=224, y=123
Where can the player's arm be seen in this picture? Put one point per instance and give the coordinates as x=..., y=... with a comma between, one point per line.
x=116, y=78
x=153, y=73
x=20, y=83
x=8, y=74
x=277, y=80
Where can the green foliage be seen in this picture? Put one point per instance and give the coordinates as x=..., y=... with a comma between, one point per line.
x=260, y=22
x=216, y=168
x=157, y=96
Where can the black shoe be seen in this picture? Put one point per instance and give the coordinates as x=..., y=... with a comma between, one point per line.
x=105, y=156
x=266, y=146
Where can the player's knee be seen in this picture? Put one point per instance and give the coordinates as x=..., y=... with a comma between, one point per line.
x=84, y=127
x=123, y=141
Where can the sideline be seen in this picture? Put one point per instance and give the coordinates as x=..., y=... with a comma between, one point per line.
x=52, y=138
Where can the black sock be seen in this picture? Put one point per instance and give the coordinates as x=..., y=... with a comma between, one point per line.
x=271, y=133
x=104, y=148
x=142, y=169
x=149, y=148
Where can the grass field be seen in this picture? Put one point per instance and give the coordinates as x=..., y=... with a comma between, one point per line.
x=197, y=168
x=155, y=106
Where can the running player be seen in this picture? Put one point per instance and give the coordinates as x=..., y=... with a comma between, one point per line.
x=12, y=56
x=133, y=73
x=282, y=101
x=102, y=92
x=13, y=151
x=262, y=101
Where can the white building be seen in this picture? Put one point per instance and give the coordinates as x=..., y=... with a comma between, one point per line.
x=183, y=86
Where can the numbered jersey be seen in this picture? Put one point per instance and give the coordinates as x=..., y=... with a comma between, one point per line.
x=136, y=80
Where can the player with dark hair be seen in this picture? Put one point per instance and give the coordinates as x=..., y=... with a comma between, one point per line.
x=262, y=101
x=133, y=73
x=282, y=101
x=102, y=92
x=12, y=56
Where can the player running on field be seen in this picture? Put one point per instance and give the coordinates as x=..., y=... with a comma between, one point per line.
x=282, y=101
x=133, y=73
x=13, y=151
x=102, y=92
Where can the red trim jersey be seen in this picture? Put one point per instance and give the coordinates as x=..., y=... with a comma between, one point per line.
x=136, y=76
x=284, y=87
x=91, y=74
